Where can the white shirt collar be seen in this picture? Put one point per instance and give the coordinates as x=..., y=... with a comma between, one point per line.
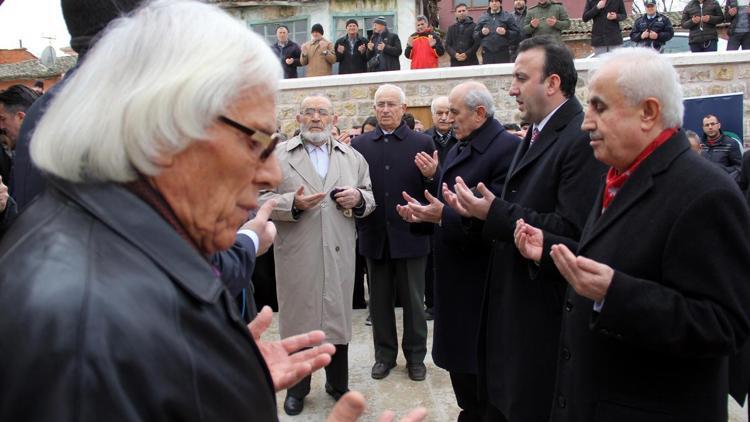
x=540, y=126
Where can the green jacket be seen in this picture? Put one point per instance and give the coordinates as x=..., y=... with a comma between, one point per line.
x=542, y=12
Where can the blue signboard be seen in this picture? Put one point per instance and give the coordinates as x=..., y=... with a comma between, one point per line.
x=727, y=107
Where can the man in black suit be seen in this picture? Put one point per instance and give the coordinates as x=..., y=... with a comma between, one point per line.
x=552, y=181
x=400, y=160
x=659, y=285
x=444, y=139
x=484, y=153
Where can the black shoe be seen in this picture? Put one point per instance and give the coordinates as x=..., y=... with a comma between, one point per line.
x=381, y=370
x=293, y=406
x=368, y=321
x=333, y=393
x=429, y=314
x=417, y=371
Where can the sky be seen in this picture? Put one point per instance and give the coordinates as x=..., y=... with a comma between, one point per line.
x=29, y=21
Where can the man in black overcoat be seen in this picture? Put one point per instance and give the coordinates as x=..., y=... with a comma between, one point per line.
x=351, y=50
x=659, y=285
x=400, y=160
x=461, y=256
x=552, y=181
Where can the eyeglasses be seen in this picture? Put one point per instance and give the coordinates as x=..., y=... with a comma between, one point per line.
x=709, y=124
x=267, y=142
x=309, y=112
x=384, y=104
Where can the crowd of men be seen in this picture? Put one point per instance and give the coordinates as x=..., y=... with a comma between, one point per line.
x=589, y=267
x=496, y=34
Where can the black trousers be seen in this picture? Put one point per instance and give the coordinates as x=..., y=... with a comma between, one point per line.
x=703, y=47
x=358, y=301
x=429, y=277
x=502, y=56
x=465, y=388
x=405, y=276
x=337, y=374
x=739, y=40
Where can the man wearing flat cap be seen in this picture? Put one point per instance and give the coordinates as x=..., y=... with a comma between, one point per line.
x=351, y=50
x=317, y=54
x=651, y=29
x=384, y=48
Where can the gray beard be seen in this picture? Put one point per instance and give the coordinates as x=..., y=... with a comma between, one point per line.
x=316, y=138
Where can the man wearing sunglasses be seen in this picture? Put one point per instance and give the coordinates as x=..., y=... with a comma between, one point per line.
x=326, y=185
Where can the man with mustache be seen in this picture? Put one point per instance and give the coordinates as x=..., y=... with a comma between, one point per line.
x=326, y=185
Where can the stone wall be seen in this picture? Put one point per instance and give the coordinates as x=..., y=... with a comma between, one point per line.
x=352, y=95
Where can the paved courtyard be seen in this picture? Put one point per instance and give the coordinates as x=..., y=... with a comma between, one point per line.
x=396, y=392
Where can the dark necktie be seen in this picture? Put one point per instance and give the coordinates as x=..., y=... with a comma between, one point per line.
x=534, y=136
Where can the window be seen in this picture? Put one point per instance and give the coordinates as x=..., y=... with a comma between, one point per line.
x=298, y=30
x=473, y=3
x=364, y=22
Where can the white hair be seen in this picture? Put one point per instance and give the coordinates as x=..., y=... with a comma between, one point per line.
x=644, y=73
x=150, y=87
x=387, y=87
x=433, y=105
x=480, y=96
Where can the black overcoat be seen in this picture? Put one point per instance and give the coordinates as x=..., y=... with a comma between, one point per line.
x=678, y=237
x=392, y=171
x=461, y=256
x=551, y=186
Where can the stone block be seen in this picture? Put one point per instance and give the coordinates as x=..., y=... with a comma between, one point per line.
x=359, y=92
x=743, y=72
x=286, y=112
x=724, y=73
x=715, y=89
x=348, y=109
x=698, y=75
x=692, y=90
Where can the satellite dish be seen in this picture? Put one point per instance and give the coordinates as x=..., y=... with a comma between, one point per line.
x=48, y=56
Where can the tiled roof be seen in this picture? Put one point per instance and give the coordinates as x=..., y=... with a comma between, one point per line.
x=34, y=69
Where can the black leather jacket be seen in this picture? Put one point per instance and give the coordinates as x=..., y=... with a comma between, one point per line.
x=109, y=315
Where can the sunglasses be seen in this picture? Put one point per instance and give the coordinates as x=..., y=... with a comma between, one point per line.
x=266, y=141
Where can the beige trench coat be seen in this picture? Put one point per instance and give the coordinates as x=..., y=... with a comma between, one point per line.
x=315, y=254
x=318, y=64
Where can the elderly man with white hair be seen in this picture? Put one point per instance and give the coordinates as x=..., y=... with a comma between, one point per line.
x=659, y=283
x=400, y=160
x=154, y=157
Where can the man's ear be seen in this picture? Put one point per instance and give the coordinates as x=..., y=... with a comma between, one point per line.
x=650, y=113
x=335, y=119
x=553, y=83
x=21, y=115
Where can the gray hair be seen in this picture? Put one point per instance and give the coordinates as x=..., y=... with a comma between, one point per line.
x=314, y=95
x=691, y=134
x=385, y=87
x=476, y=97
x=433, y=104
x=153, y=85
x=663, y=83
x=422, y=18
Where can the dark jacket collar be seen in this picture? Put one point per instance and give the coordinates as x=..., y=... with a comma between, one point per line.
x=133, y=219
x=401, y=132
x=640, y=182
